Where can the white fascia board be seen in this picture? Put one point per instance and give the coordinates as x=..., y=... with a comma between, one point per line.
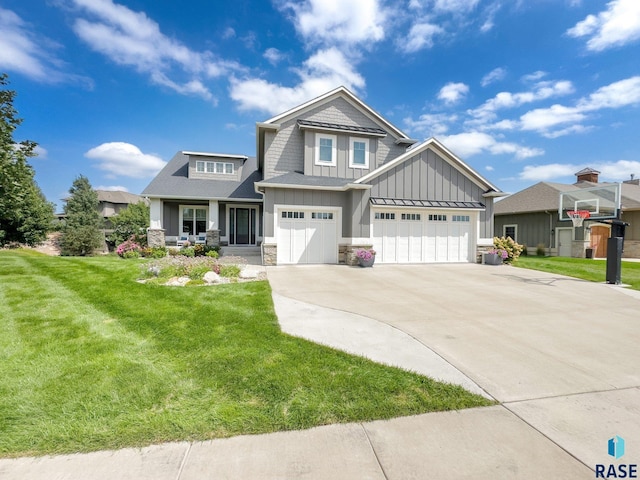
x=204, y=199
x=494, y=194
x=221, y=155
x=343, y=188
x=434, y=144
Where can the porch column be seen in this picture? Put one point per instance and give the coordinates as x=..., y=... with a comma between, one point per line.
x=213, y=225
x=155, y=232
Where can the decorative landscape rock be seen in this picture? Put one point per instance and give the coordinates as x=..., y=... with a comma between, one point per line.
x=177, y=281
x=249, y=273
x=211, y=277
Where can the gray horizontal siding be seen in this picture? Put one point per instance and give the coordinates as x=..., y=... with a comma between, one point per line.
x=237, y=169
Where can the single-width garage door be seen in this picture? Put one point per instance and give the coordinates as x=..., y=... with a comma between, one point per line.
x=421, y=236
x=307, y=236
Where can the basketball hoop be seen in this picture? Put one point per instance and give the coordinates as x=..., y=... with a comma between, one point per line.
x=578, y=216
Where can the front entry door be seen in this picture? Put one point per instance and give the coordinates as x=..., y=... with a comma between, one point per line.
x=242, y=226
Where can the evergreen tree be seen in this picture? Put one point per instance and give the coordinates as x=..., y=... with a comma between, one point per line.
x=132, y=221
x=82, y=233
x=25, y=214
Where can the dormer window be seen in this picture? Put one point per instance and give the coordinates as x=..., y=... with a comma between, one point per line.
x=223, y=168
x=358, y=152
x=326, y=149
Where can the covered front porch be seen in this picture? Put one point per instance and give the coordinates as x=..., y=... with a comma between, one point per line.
x=217, y=222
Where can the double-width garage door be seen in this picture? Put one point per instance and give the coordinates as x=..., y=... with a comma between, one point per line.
x=422, y=236
x=307, y=236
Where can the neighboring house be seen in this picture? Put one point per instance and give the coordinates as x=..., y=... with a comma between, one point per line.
x=330, y=176
x=110, y=203
x=531, y=218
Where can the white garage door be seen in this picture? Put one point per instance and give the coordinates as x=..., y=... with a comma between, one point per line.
x=421, y=237
x=307, y=236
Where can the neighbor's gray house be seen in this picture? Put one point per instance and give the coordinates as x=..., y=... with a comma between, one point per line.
x=330, y=176
x=530, y=217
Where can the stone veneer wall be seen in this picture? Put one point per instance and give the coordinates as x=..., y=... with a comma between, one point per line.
x=350, y=254
x=269, y=254
x=155, y=237
x=213, y=238
x=579, y=248
x=481, y=250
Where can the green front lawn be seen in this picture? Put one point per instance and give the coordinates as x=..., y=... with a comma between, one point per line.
x=90, y=359
x=586, y=269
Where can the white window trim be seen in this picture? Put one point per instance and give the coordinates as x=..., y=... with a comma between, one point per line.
x=200, y=163
x=515, y=230
x=352, y=140
x=181, y=216
x=334, y=150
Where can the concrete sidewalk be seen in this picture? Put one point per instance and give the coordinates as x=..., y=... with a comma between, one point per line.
x=488, y=443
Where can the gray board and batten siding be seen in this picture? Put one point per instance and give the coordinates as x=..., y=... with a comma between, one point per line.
x=534, y=228
x=429, y=176
x=313, y=198
x=285, y=149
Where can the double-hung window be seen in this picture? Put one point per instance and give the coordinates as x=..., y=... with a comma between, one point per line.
x=358, y=152
x=326, y=149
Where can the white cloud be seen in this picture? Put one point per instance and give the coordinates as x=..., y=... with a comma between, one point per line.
x=429, y=124
x=122, y=159
x=331, y=22
x=25, y=52
x=228, y=33
x=420, y=36
x=455, y=6
x=620, y=170
x=618, y=94
x=453, y=92
x=112, y=188
x=494, y=75
x=41, y=152
x=615, y=95
x=541, y=91
x=612, y=171
x=472, y=143
x=489, y=168
x=273, y=55
x=325, y=70
x=132, y=39
x=534, y=77
x=618, y=25
x=541, y=119
x=540, y=173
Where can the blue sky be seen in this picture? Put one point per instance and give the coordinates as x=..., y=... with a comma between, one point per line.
x=522, y=91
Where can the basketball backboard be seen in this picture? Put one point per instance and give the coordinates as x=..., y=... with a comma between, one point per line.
x=601, y=202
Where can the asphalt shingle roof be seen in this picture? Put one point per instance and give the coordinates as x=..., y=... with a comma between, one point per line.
x=173, y=180
x=345, y=128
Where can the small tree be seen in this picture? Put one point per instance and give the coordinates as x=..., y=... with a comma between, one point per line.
x=130, y=222
x=25, y=214
x=82, y=233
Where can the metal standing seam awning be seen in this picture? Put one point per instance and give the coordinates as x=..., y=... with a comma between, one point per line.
x=399, y=202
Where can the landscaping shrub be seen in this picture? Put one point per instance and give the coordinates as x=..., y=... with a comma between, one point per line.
x=154, y=252
x=541, y=250
x=129, y=249
x=507, y=244
x=229, y=271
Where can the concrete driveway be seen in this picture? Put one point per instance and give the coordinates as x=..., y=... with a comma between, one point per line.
x=562, y=355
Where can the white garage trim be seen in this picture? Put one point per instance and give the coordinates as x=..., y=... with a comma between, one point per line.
x=410, y=235
x=307, y=234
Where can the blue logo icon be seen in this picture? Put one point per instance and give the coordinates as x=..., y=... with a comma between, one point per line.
x=616, y=447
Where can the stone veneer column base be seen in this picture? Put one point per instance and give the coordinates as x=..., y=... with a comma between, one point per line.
x=269, y=254
x=481, y=250
x=213, y=238
x=578, y=248
x=350, y=253
x=631, y=249
x=155, y=237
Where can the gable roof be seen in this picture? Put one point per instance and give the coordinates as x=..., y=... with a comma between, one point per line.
x=545, y=196
x=350, y=97
x=439, y=148
x=118, y=196
x=173, y=182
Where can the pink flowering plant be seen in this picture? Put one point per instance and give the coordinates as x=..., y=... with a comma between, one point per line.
x=507, y=248
x=129, y=249
x=365, y=253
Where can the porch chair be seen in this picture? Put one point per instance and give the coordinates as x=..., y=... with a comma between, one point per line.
x=182, y=238
x=201, y=238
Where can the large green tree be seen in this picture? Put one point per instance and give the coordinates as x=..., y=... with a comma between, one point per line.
x=82, y=233
x=25, y=214
x=132, y=221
